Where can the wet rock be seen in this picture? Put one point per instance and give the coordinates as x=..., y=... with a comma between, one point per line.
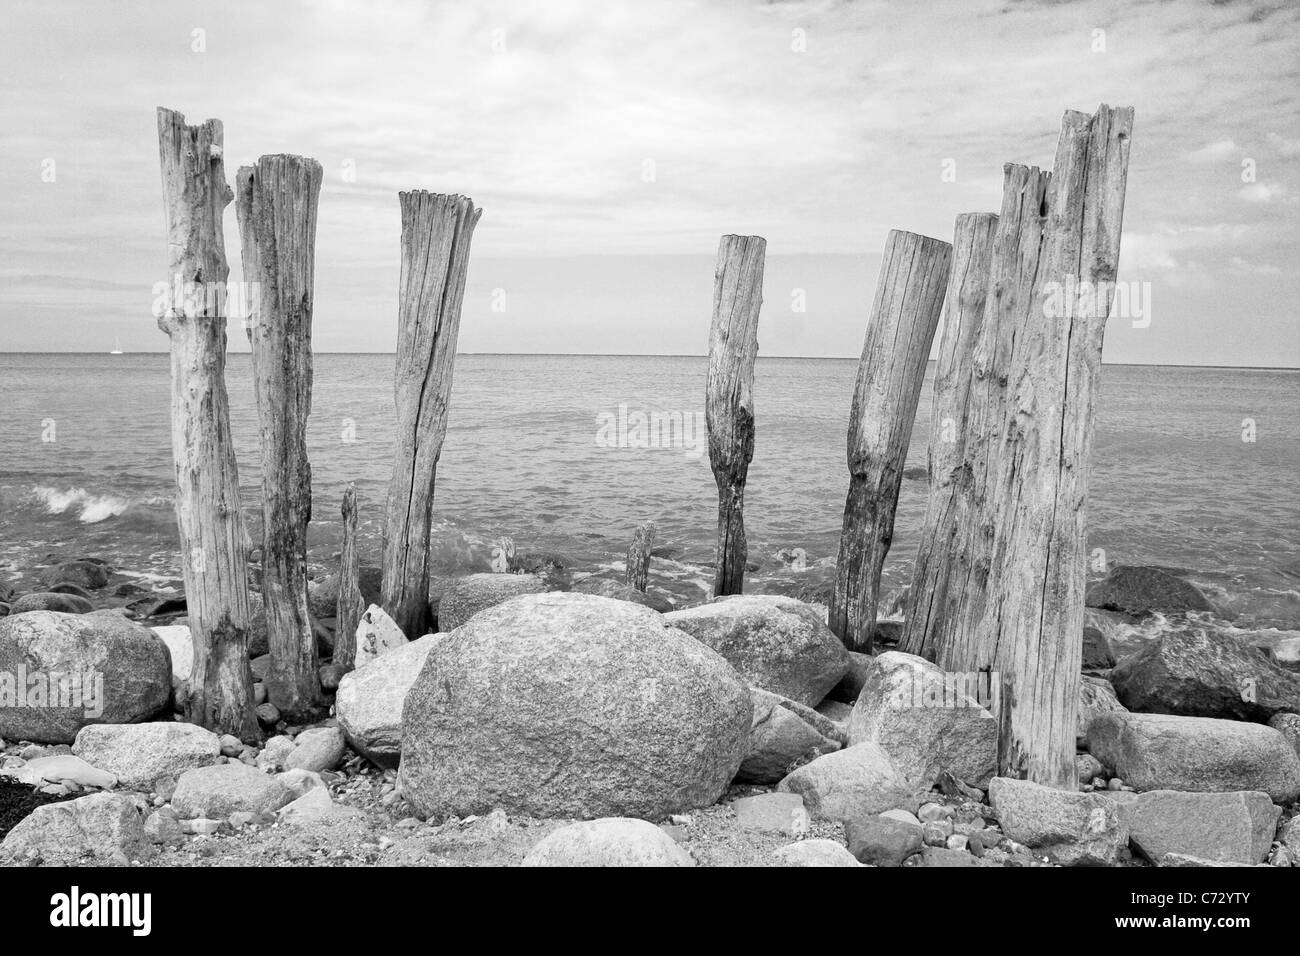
x=1141, y=591
x=776, y=643
x=83, y=573
x=1071, y=828
x=323, y=595
x=611, y=841
x=139, y=754
x=369, y=701
x=1196, y=754
x=51, y=601
x=1224, y=827
x=465, y=597
x=1097, y=655
x=841, y=785
x=566, y=704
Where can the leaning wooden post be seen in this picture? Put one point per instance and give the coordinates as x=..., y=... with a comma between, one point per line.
x=214, y=542
x=276, y=205
x=1034, y=610
x=729, y=400
x=436, y=234
x=909, y=297
x=350, y=605
x=963, y=313
x=638, y=557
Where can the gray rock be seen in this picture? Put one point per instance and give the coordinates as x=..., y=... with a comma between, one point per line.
x=82, y=573
x=926, y=721
x=103, y=828
x=881, y=840
x=944, y=857
x=777, y=643
x=1072, y=828
x=1097, y=655
x=1182, y=860
x=369, y=701
x=316, y=749
x=301, y=782
x=850, y=686
x=850, y=782
x=164, y=827
x=465, y=597
x=1202, y=673
x=618, y=591
x=1224, y=827
x=275, y=752
x=772, y=813
x=1096, y=697
x=121, y=671
x=610, y=841
x=65, y=768
x=566, y=704
x=813, y=853
x=1198, y=754
x=1288, y=725
x=780, y=740
x=1088, y=767
x=180, y=647
x=317, y=807
x=323, y=595
x=141, y=753
x=51, y=601
x=377, y=635
x=218, y=791
x=1140, y=591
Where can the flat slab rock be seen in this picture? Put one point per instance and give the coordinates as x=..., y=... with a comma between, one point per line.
x=1221, y=827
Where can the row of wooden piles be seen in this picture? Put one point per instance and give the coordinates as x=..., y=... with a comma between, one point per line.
x=999, y=574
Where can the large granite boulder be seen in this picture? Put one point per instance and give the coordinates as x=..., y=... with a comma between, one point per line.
x=100, y=668
x=777, y=643
x=611, y=841
x=1074, y=829
x=102, y=829
x=1140, y=591
x=465, y=597
x=1196, y=754
x=141, y=754
x=1200, y=673
x=1234, y=827
x=563, y=704
x=368, y=703
x=848, y=783
x=927, y=720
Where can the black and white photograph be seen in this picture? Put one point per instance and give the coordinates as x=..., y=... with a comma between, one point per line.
x=652, y=433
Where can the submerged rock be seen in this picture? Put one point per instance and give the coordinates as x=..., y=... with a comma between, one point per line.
x=51, y=601
x=1140, y=591
x=565, y=704
x=83, y=573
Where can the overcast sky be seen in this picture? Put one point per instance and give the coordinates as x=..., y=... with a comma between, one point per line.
x=611, y=144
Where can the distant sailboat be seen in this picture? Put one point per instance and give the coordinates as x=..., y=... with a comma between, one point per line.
x=117, y=346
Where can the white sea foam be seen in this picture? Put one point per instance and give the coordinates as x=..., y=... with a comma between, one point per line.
x=91, y=509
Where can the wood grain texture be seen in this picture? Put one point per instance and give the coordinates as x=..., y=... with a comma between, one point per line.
x=729, y=395
x=963, y=315
x=904, y=317
x=436, y=234
x=276, y=204
x=351, y=605
x=213, y=539
x=638, y=557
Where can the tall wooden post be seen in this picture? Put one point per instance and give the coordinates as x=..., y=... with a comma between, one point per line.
x=276, y=205
x=214, y=542
x=436, y=234
x=909, y=298
x=351, y=605
x=729, y=399
x=1033, y=614
x=963, y=313
x=638, y=557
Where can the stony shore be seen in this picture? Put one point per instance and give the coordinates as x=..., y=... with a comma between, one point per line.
x=601, y=726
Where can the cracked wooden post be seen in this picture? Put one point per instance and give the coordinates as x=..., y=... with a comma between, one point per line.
x=909, y=297
x=638, y=557
x=963, y=313
x=436, y=234
x=350, y=605
x=729, y=399
x=1033, y=615
x=276, y=204
x=213, y=539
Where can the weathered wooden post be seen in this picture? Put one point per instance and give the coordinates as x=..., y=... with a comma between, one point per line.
x=276, y=204
x=963, y=313
x=729, y=399
x=909, y=297
x=1033, y=614
x=436, y=234
x=350, y=604
x=214, y=542
x=638, y=557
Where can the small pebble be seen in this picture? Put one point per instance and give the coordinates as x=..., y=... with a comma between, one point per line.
x=1115, y=783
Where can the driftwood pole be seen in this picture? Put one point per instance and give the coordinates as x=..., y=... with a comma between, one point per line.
x=1033, y=614
x=963, y=313
x=436, y=234
x=351, y=605
x=214, y=542
x=909, y=298
x=638, y=557
x=276, y=205
x=729, y=399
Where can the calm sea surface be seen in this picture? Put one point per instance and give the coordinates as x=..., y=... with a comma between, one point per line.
x=546, y=450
